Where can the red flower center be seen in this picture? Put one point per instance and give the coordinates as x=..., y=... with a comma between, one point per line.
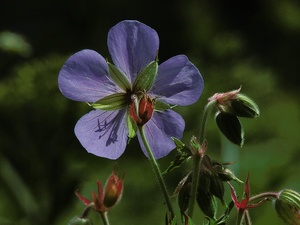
x=141, y=110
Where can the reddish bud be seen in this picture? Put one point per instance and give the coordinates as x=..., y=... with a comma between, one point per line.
x=113, y=191
x=104, y=200
x=141, y=110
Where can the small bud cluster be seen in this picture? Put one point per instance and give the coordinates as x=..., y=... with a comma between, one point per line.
x=211, y=186
x=232, y=105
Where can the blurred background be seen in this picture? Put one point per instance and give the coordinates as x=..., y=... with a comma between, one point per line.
x=255, y=44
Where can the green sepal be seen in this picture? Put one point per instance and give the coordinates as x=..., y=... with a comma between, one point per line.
x=222, y=219
x=132, y=127
x=217, y=188
x=161, y=106
x=118, y=77
x=184, y=154
x=243, y=106
x=207, y=203
x=287, y=206
x=170, y=221
x=111, y=102
x=226, y=174
x=231, y=127
x=146, y=77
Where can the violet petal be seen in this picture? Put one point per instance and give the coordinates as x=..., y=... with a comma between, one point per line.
x=84, y=77
x=178, y=82
x=103, y=133
x=160, y=129
x=132, y=45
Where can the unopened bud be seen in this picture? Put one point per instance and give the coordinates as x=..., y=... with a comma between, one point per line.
x=217, y=187
x=235, y=103
x=231, y=127
x=184, y=196
x=287, y=206
x=113, y=191
x=141, y=110
x=226, y=174
x=207, y=203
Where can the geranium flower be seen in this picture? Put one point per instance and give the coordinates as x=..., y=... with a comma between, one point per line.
x=133, y=92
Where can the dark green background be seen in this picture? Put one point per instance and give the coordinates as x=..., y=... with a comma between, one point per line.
x=255, y=44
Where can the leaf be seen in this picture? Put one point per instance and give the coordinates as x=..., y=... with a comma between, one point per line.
x=184, y=154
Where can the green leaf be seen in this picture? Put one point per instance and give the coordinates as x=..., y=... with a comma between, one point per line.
x=146, y=78
x=184, y=154
x=118, y=77
x=111, y=102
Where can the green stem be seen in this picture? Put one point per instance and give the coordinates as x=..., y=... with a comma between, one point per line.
x=197, y=160
x=157, y=171
x=197, y=157
x=87, y=209
x=240, y=216
x=207, y=110
x=247, y=218
x=265, y=195
x=104, y=218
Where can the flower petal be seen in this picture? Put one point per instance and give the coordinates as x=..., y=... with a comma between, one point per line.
x=84, y=77
x=132, y=45
x=178, y=82
x=160, y=129
x=103, y=133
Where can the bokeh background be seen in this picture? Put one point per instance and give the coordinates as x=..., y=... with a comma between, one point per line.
x=255, y=44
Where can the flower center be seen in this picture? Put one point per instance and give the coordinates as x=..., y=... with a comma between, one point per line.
x=141, y=109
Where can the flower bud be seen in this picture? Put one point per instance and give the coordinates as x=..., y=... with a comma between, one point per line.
x=226, y=174
x=80, y=221
x=287, y=206
x=207, y=203
x=231, y=127
x=184, y=196
x=235, y=103
x=113, y=191
x=217, y=188
x=141, y=110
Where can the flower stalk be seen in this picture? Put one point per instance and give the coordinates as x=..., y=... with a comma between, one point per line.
x=198, y=156
x=157, y=171
x=104, y=218
x=263, y=196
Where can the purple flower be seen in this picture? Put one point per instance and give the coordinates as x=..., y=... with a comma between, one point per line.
x=133, y=92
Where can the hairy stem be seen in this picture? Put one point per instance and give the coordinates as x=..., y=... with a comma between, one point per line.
x=262, y=196
x=157, y=171
x=197, y=157
x=207, y=110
